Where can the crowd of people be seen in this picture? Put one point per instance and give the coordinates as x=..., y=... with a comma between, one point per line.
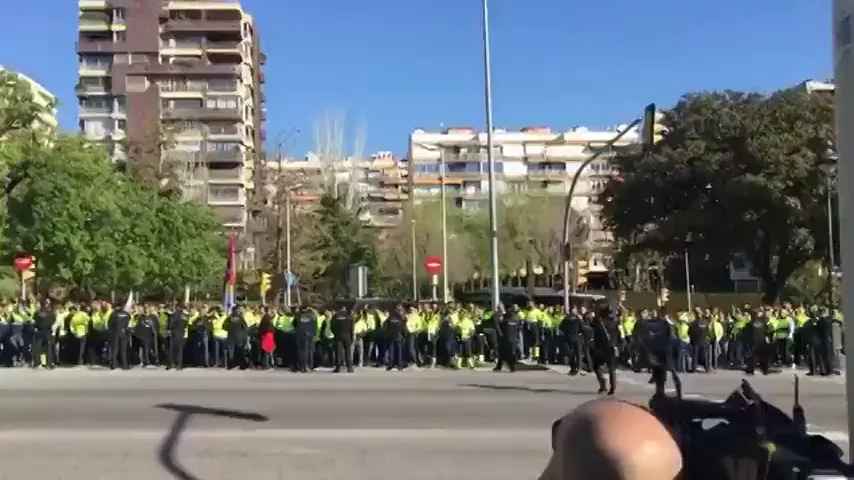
x=595, y=339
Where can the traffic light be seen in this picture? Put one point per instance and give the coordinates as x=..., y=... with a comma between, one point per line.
x=652, y=131
x=265, y=284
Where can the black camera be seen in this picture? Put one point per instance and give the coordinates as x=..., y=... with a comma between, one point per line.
x=745, y=438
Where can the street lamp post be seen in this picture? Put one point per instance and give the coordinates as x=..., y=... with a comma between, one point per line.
x=289, y=272
x=688, y=240
x=827, y=164
x=567, y=246
x=414, y=261
x=490, y=160
x=444, y=213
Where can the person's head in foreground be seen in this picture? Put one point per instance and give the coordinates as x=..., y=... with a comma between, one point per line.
x=612, y=440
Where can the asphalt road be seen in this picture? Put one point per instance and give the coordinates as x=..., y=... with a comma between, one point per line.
x=211, y=425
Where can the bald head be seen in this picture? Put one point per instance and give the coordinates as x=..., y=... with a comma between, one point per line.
x=612, y=440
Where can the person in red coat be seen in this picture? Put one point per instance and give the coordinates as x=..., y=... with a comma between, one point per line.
x=266, y=333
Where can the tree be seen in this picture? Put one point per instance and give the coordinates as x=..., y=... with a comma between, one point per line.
x=736, y=173
x=339, y=178
x=19, y=110
x=468, y=246
x=343, y=240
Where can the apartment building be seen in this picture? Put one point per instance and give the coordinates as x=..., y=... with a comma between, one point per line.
x=42, y=97
x=533, y=161
x=378, y=184
x=178, y=79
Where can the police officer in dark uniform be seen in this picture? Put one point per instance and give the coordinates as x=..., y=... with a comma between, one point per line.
x=509, y=325
x=603, y=351
x=342, y=326
x=395, y=331
x=43, y=334
x=145, y=332
x=698, y=333
x=657, y=343
x=237, y=333
x=820, y=338
x=117, y=328
x=177, y=328
x=570, y=329
x=305, y=328
x=755, y=340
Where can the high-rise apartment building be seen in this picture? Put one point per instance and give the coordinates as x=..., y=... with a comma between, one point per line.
x=179, y=80
x=42, y=97
x=533, y=161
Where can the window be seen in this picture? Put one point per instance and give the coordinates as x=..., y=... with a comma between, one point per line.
x=229, y=103
x=121, y=59
x=223, y=146
x=122, y=125
x=118, y=14
x=135, y=84
x=95, y=128
x=120, y=36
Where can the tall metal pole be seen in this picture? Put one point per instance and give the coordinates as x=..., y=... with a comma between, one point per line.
x=490, y=161
x=688, y=279
x=414, y=261
x=831, y=254
x=843, y=102
x=289, y=273
x=445, y=283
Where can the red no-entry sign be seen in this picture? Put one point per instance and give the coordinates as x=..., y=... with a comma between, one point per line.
x=433, y=264
x=23, y=262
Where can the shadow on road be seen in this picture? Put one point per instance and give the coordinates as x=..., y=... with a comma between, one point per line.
x=522, y=388
x=167, y=452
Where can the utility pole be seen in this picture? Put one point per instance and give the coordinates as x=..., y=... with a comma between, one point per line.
x=289, y=273
x=444, y=213
x=490, y=160
x=414, y=261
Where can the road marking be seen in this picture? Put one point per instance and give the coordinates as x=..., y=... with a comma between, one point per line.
x=275, y=434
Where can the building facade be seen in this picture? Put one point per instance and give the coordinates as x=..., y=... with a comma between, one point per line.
x=181, y=80
x=42, y=97
x=378, y=185
x=532, y=161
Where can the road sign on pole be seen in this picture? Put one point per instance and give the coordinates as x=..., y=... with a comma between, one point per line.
x=433, y=264
x=23, y=262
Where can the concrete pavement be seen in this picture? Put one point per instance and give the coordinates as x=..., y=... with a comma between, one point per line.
x=210, y=425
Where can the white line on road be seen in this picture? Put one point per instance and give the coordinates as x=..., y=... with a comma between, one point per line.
x=276, y=434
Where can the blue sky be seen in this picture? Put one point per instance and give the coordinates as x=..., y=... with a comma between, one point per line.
x=396, y=65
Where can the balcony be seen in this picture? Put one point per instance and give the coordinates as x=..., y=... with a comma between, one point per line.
x=202, y=25
x=92, y=4
x=263, y=97
x=466, y=157
x=231, y=216
x=222, y=87
x=95, y=111
x=226, y=175
x=229, y=156
x=93, y=21
x=261, y=77
x=218, y=195
x=197, y=87
x=262, y=58
x=227, y=45
x=92, y=88
x=223, y=130
x=195, y=68
x=202, y=114
x=99, y=46
x=548, y=174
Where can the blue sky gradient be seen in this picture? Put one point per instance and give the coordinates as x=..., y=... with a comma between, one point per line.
x=401, y=64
